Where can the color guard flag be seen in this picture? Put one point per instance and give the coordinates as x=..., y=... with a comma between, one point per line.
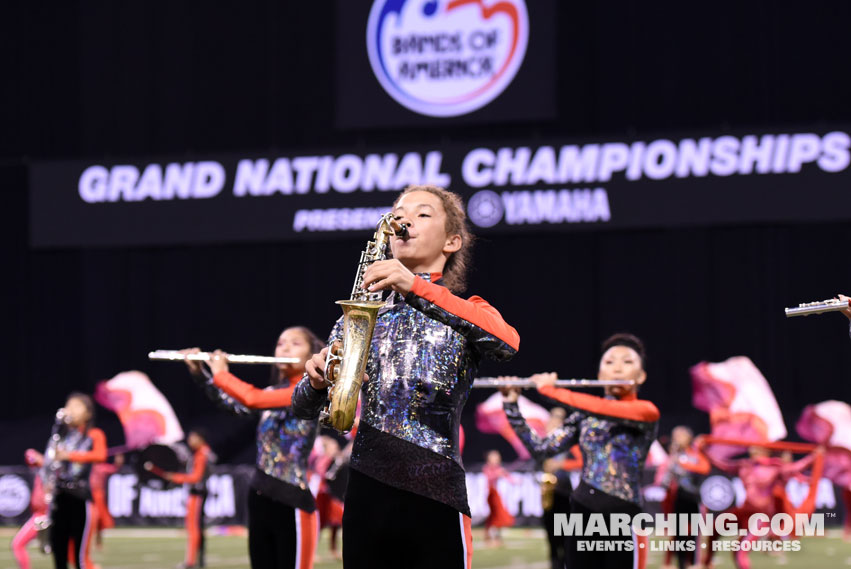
x=144, y=412
x=740, y=404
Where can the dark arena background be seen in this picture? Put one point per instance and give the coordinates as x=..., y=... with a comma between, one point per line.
x=698, y=258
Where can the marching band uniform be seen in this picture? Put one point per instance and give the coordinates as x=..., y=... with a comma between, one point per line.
x=614, y=436
x=72, y=509
x=282, y=526
x=406, y=477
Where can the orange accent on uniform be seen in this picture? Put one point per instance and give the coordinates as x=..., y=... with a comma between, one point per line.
x=307, y=545
x=103, y=518
x=87, y=533
x=254, y=397
x=193, y=528
x=199, y=465
x=642, y=551
x=475, y=310
x=468, y=539
x=98, y=452
x=630, y=407
x=808, y=506
x=574, y=463
x=702, y=466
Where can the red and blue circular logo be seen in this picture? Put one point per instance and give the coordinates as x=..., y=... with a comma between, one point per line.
x=445, y=58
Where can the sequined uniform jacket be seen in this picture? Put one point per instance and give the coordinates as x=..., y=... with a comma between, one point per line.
x=284, y=441
x=423, y=357
x=85, y=448
x=614, y=436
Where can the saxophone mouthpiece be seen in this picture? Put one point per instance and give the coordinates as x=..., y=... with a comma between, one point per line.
x=402, y=231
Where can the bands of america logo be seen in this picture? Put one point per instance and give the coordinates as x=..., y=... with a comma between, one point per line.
x=445, y=58
x=717, y=493
x=14, y=495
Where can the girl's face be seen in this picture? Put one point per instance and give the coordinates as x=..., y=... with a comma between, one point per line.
x=428, y=245
x=494, y=458
x=77, y=412
x=194, y=441
x=292, y=343
x=621, y=362
x=681, y=438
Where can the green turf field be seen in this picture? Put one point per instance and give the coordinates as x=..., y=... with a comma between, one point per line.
x=163, y=549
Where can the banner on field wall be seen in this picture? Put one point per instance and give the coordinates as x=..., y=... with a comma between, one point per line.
x=508, y=187
x=134, y=505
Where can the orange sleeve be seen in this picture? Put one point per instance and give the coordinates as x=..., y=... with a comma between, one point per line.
x=251, y=396
x=574, y=463
x=98, y=452
x=199, y=465
x=475, y=310
x=634, y=410
x=702, y=466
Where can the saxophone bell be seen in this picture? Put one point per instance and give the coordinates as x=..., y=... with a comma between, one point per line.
x=345, y=363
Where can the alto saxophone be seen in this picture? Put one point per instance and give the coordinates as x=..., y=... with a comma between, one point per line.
x=346, y=362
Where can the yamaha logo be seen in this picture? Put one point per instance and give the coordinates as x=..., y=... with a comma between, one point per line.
x=444, y=58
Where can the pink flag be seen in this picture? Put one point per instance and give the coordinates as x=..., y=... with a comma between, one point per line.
x=490, y=418
x=829, y=423
x=739, y=401
x=144, y=412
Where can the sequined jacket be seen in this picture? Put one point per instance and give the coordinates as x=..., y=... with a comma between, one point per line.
x=614, y=437
x=423, y=357
x=284, y=441
x=85, y=448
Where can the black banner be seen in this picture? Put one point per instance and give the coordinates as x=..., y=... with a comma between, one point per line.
x=133, y=505
x=508, y=186
x=444, y=62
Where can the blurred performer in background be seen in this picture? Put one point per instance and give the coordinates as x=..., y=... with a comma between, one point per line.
x=760, y=473
x=614, y=433
x=100, y=473
x=556, y=488
x=326, y=465
x=406, y=503
x=498, y=517
x=78, y=446
x=281, y=511
x=34, y=526
x=679, y=476
x=196, y=478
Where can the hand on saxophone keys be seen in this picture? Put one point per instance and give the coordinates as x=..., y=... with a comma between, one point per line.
x=388, y=274
x=315, y=370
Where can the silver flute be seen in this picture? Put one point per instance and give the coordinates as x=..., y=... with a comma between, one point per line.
x=176, y=355
x=807, y=308
x=527, y=383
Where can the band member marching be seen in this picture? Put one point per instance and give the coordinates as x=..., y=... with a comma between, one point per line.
x=196, y=479
x=614, y=434
x=498, y=517
x=282, y=524
x=406, y=502
x=679, y=477
x=77, y=446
